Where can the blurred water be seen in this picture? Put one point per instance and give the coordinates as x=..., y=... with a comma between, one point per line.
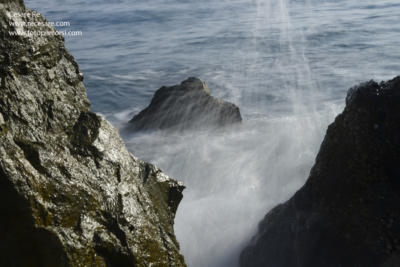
x=286, y=64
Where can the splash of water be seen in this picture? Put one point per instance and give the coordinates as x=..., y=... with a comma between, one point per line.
x=234, y=177
x=250, y=52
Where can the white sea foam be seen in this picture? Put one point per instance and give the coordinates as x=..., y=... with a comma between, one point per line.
x=286, y=64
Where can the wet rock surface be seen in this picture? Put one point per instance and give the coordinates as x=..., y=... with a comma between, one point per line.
x=185, y=106
x=347, y=213
x=70, y=192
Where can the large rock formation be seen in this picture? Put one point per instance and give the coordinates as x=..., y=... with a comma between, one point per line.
x=70, y=192
x=347, y=213
x=185, y=106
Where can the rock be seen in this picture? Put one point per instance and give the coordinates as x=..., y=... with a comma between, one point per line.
x=185, y=106
x=2, y=122
x=70, y=192
x=347, y=213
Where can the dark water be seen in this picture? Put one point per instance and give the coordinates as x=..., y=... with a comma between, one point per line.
x=286, y=64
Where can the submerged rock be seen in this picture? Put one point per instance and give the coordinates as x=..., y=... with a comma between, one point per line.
x=185, y=106
x=347, y=213
x=70, y=192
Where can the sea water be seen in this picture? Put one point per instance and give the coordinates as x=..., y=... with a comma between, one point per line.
x=286, y=64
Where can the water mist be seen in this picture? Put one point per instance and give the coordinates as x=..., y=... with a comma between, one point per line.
x=253, y=53
x=234, y=176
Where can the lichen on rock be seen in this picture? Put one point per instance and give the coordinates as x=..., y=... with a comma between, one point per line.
x=70, y=192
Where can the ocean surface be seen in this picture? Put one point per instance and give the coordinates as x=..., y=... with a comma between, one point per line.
x=286, y=64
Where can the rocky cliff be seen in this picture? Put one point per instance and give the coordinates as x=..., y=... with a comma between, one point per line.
x=186, y=106
x=347, y=213
x=70, y=192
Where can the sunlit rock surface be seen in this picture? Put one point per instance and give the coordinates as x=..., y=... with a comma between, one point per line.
x=70, y=192
x=347, y=213
x=185, y=106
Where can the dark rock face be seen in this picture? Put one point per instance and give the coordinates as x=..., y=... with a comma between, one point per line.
x=70, y=192
x=185, y=106
x=347, y=213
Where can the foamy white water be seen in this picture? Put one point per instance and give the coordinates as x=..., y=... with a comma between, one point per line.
x=234, y=177
x=286, y=64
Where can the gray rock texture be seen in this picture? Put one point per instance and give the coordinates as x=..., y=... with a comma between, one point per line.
x=70, y=192
x=347, y=213
x=186, y=106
